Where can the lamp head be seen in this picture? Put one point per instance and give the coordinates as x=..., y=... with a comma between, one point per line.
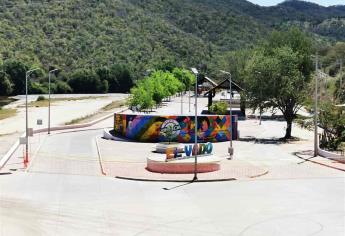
x=51, y=71
x=195, y=71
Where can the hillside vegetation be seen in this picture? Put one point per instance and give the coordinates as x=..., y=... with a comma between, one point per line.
x=143, y=33
x=94, y=37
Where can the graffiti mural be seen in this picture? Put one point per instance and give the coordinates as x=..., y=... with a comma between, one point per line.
x=150, y=128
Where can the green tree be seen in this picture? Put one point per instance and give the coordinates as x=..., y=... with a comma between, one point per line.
x=119, y=78
x=124, y=78
x=332, y=120
x=279, y=72
x=141, y=97
x=86, y=81
x=16, y=71
x=184, y=76
x=153, y=89
x=6, y=87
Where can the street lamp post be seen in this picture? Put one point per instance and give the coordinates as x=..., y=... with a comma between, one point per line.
x=195, y=71
x=260, y=106
x=315, y=108
x=27, y=75
x=49, y=75
x=231, y=149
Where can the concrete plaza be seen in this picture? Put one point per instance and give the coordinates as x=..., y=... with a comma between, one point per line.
x=63, y=192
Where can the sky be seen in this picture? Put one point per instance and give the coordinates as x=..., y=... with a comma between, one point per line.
x=320, y=2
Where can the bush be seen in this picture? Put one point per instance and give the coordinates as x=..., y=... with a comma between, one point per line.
x=332, y=120
x=219, y=108
x=41, y=98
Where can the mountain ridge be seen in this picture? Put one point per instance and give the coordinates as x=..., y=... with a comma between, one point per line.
x=146, y=33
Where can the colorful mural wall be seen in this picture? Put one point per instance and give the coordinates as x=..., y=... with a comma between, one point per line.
x=150, y=128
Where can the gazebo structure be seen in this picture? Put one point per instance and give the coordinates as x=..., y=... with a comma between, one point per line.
x=206, y=84
x=225, y=84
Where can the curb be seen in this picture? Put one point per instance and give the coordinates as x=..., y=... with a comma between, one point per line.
x=331, y=156
x=100, y=157
x=175, y=181
x=321, y=164
x=14, y=147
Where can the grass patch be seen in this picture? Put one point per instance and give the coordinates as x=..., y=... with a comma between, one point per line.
x=45, y=103
x=80, y=119
x=115, y=104
x=6, y=113
x=103, y=111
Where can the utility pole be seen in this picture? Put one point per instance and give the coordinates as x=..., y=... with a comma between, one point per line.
x=316, y=143
x=49, y=75
x=195, y=149
x=27, y=75
x=231, y=149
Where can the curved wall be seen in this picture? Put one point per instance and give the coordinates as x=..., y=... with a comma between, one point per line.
x=152, y=128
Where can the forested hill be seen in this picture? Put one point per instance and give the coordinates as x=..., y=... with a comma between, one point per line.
x=146, y=33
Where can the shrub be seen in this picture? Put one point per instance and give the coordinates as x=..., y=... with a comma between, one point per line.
x=36, y=88
x=219, y=108
x=41, y=98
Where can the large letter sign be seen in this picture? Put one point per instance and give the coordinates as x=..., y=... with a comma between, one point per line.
x=202, y=149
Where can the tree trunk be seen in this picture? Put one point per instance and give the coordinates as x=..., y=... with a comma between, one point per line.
x=288, y=129
x=243, y=105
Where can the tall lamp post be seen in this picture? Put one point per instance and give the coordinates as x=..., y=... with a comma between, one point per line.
x=260, y=108
x=231, y=149
x=196, y=73
x=27, y=76
x=315, y=108
x=49, y=75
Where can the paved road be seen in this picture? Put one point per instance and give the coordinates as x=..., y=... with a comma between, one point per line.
x=64, y=193
x=51, y=204
x=68, y=153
